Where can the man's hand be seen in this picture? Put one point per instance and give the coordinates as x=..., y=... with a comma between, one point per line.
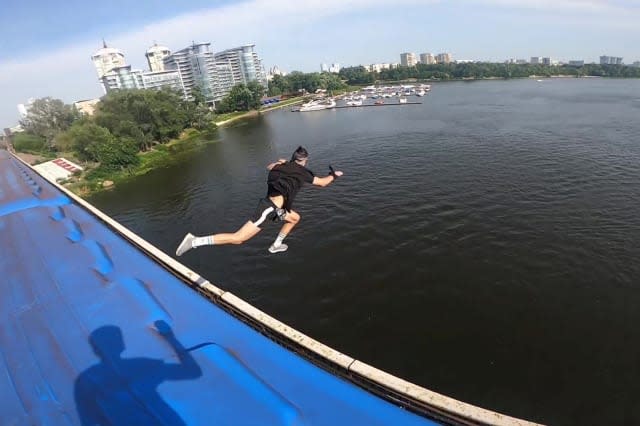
x=163, y=328
x=335, y=173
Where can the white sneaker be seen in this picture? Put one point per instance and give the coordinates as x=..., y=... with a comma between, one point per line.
x=185, y=245
x=281, y=247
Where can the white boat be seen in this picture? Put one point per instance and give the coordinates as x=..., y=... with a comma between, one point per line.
x=357, y=102
x=402, y=100
x=318, y=105
x=420, y=93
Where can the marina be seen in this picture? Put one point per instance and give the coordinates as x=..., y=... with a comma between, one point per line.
x=381, y=96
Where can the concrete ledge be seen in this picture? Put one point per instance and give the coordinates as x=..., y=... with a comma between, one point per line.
x=303, y=340
x=432, y=399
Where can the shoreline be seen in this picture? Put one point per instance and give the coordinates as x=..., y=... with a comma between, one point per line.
x=255, y=113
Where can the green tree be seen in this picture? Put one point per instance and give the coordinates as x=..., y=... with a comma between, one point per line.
x=27, y=142
x=257, y=92
x=85, y=136
x=198, y=96
x=240, y=98
x=47, y=117
x=279, y=85
x=356, y=75
x=331, y=81
x=159, y=114
x=92, y=142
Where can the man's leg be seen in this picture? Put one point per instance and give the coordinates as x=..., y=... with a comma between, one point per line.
x=246, y=232
x=264, y=211
x=291, y=219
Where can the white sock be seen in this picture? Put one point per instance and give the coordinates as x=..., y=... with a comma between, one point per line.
x=202, y=241
x=279, y=240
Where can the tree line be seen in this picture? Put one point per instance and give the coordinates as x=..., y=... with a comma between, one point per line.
x=360, y=75
x=125, y=123
x=296, y=82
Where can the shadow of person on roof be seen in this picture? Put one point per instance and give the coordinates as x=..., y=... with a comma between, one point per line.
x=123, y=391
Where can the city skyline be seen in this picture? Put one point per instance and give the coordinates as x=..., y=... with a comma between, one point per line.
x=43, y=60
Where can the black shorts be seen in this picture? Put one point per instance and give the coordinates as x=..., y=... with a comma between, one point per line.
x=266, y=210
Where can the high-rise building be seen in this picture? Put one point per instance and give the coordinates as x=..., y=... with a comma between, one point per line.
x=244, y=64
x=444, y=58
x=610, y=60
x=427, y=58
x=122, y=78
x=225, y=79
x=408, y=59
x=334, y=68
x=155, y=57
x=126, y=78
x=546, y=61
x=536, y=60
x=161, y=79
x=106, y=59
x=380, y=67
x=636, y=64
x=576, y=63
x=197, y=68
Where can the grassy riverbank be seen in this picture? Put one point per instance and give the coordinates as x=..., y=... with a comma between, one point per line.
x=95, y=178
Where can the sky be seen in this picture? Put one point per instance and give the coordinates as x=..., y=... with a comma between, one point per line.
x=46, y=45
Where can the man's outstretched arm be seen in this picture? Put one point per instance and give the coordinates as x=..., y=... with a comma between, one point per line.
x=188, y=367
x=324, y=181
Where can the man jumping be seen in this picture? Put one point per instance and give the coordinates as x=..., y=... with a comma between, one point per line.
x=283, y=183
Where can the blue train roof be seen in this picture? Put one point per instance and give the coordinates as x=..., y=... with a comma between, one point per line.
x=95, y=329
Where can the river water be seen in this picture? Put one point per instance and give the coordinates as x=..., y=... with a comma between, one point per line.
x=484, y=244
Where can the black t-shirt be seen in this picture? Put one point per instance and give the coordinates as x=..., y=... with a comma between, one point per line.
x=286, y=179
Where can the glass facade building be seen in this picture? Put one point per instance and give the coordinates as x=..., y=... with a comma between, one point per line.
x=242, y=65
x=197, y=68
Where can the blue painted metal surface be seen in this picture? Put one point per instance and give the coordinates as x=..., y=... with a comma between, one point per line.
x=93, y=331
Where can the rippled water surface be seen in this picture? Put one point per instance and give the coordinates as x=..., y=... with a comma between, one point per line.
x=484, y=244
